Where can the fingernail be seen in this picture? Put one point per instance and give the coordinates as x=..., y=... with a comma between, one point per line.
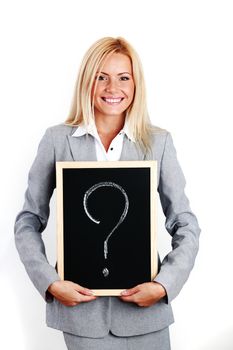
x=124, y=292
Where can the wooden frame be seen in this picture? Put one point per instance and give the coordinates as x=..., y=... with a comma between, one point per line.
x=130, y=184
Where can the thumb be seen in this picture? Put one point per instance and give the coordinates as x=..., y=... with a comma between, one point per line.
x=83, y=290
x=130, y=291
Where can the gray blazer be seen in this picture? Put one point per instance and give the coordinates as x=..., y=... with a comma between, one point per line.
x=95, y=319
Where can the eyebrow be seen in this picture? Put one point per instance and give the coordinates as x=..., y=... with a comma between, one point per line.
x=117, y=74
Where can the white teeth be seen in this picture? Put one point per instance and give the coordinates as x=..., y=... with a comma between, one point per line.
x=112, y=100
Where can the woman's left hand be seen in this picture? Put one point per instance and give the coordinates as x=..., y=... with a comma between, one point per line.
x=145, y=294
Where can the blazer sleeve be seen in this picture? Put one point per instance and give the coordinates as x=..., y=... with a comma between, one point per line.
x=32, y=220
x=181, y=224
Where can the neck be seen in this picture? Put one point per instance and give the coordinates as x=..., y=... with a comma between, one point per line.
x=109, y=124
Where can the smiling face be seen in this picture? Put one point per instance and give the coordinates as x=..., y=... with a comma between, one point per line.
x=115, y=87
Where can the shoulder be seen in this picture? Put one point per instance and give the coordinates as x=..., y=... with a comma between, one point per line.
x=160, y=141
x=55, y=136
x=157, y=130
x=61, y=130
x=158, y=135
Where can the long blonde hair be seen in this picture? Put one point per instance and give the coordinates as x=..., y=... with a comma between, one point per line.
x=82, y=109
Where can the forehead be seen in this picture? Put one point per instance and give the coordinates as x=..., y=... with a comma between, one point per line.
x=117, y=63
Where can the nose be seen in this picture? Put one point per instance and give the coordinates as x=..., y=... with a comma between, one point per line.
x=112, y=85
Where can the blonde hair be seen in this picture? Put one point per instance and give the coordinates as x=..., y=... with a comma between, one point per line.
x=82, y=109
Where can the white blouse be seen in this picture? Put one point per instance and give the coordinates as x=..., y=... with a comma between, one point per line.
x=115, y=148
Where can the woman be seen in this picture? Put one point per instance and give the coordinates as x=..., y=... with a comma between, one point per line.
x=109, y=121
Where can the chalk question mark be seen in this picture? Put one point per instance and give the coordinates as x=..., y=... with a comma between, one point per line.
x=123, y=215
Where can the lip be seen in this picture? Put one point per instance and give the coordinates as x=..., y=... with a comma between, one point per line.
x=112, y=97
x=112, y=100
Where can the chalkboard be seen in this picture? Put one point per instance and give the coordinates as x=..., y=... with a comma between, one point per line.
x=106, y=224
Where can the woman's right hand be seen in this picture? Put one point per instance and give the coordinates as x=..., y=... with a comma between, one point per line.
x=69, y=293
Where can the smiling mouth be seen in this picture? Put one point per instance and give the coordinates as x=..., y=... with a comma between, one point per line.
x=113, y=101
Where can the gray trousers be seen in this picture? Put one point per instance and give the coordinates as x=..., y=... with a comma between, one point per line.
x=159, y=340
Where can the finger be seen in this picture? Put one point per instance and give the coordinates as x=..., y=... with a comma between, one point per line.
x=86, y=291
x=128, y=299
x=70, y=303
x=75, y=299
x=82, y=290
x=129, y=292
x=86, y=298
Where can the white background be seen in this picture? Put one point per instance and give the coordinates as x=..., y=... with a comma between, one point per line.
x=187, y=54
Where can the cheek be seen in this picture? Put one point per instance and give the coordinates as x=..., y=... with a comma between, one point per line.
x=98, y=91
x=132, y=87
x=95, y=88
x=131, y=92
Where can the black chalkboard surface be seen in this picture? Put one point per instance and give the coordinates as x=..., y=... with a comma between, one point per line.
x=106, y=224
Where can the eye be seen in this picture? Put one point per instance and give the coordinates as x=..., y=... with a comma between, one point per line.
x=124, y=78
x=101, y=77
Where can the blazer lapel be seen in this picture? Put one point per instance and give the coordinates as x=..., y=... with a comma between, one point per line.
x=131, y=151
x=82, y=148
